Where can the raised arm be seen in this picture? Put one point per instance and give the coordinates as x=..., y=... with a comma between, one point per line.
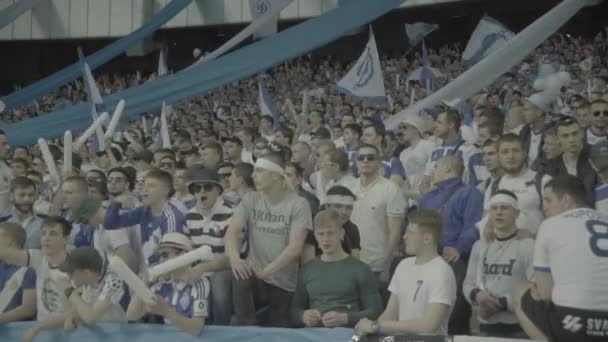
x=113, y=219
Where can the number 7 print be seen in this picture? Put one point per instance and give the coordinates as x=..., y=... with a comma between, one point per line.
x=418, y=285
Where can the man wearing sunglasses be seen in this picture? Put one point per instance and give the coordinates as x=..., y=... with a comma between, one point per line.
x=206, y=224
x=378, y=212
x=598, y=131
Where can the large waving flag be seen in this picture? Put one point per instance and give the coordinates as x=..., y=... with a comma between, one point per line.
x=416, y=32
x=92, y=90
x=266, y=104
x=425, y=73
x=365, y=79
x=258, y=9
x=489, y=36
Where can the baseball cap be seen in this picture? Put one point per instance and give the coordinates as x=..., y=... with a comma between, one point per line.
x=175, y=240
x=200, y=174
x=540, y=101
x=421, y=122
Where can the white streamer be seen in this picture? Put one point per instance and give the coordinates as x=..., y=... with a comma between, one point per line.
x=67, y=153
x=137, y=285
x=200, y=254
x=89, y=132
x=120, y=108
x=49, y=160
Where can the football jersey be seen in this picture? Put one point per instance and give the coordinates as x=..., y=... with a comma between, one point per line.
x=416, y=286
x=13, y=280
x=112, y=289
x=50, y=299
x=573, y=247
x=188, y=299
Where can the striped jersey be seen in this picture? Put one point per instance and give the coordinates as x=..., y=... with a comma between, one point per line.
x=110, y=289
x=208, y=227
x=458, y=148
x=187, y=299
x=151, y=227
x=13, y=280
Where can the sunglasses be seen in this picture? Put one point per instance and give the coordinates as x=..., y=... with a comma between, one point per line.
x=115, y=180
x=366, y=157
x=195, y=188
x=601, y=112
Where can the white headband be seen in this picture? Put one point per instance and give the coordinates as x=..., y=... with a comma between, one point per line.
x=339, y=199
x=269, y=165
x=504, y=199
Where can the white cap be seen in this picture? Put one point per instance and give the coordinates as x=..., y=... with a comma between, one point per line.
x=175, y=240
x=422, y=123
x=541, y=101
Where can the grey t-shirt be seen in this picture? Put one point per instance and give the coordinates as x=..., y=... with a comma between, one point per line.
x=269, y=225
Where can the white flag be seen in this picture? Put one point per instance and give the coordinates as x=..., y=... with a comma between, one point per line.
x=489, y=36
x=259, y=8
x=89, y=81
x=417, y=31
x=165, y=137
x=365, y=79
x=265, y=101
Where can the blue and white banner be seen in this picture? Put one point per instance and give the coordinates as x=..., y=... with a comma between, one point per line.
x=258, y=9
x=416, y=32
x=489, y=36
x=87, y=76
x=365, y=79
x=266, y=104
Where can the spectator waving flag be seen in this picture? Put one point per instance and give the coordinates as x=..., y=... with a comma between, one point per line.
x=416, y=32
x=266, y=104
x=425, y=73
x=489, y=36
x=365, y=79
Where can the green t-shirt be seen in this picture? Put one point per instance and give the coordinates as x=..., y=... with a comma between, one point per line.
x=345, y=286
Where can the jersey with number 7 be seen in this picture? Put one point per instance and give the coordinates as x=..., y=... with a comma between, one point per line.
x=573, y=247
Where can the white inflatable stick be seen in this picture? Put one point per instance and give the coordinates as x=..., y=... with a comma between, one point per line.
x=90, y=131
x=120, y=108
x=49, y=160
x=67, y=153
x=137, y=285
x=202, y=253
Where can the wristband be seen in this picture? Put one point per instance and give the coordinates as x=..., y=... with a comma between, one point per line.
x=68, y=292
x=504, y=304
x=473, y=295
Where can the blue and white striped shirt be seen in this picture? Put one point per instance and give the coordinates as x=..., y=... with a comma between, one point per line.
x=188, y=299
x=13, y=278
x=151, y=228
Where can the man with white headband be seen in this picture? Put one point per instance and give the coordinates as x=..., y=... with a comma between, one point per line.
x=278, y=221
x=495, y=266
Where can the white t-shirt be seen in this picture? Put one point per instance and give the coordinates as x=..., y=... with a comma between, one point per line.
x=414, y=159
x=593, y=138
x=528, y=199
x=573, y=246
x=416, y=286
x=50, y=300
x=374, y=204
x=112, y=289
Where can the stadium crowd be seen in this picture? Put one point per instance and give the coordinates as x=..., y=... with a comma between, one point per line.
x=494, y=206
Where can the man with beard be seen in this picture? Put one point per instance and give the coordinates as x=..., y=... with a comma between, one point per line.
x=24, y=194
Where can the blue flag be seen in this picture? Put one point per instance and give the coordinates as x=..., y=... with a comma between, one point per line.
x=266, y=104
x=416, y=32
